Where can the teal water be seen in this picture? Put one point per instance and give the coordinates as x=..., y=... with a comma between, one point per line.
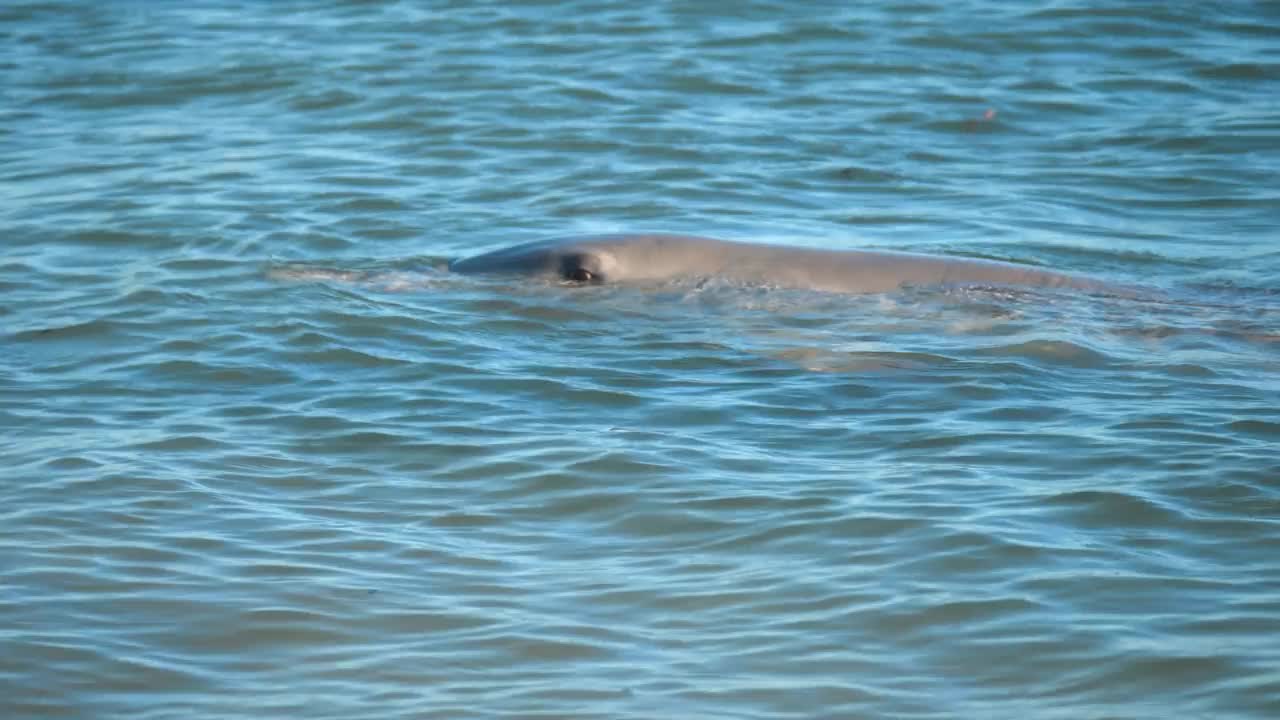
x=264, y=457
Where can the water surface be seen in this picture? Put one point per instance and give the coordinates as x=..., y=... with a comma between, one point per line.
x=264, y=457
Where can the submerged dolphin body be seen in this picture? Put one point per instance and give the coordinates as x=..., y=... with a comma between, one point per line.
x=652, y=258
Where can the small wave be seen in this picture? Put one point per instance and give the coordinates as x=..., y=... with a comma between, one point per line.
x=1053, y=352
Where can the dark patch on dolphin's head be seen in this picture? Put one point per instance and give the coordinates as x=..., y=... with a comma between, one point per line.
x=567, y=261
x=582, y=267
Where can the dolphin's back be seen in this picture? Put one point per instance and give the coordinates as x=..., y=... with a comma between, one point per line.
x=615, y=258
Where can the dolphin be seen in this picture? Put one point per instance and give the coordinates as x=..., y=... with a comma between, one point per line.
x=656, y=257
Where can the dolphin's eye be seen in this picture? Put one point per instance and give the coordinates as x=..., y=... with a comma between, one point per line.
x=582, y=275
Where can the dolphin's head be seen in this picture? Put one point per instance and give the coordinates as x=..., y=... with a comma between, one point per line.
x=644, y=258
x=594, y=260
x=573, y=261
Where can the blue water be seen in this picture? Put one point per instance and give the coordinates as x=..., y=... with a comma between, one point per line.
x=263, y=456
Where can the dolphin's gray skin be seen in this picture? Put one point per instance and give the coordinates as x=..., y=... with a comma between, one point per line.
x=629, y=258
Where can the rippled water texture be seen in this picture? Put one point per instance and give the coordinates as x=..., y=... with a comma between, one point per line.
x=263, y=456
